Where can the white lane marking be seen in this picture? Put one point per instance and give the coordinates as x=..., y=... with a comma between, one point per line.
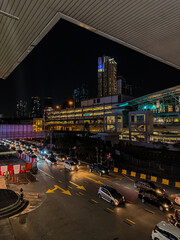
x=46, y=173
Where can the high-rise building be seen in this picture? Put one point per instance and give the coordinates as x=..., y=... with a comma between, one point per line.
x=48, y=102
x=80, y=94
x=107, y=76
x=36, y=110
x=21, y=109
x=123, y=87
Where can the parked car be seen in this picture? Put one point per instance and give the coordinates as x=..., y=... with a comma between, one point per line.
x=156, y=199
x=110, y=195
x=99, y=168
x=147, y=185
x=177, y=200
x=165, y=231
x=71, y=165
x=51, y=160
x=61, y=157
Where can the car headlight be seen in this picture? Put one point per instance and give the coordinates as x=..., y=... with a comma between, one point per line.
x=165, y=205
x=103, y=171
x=116, y=202
x=158, y=191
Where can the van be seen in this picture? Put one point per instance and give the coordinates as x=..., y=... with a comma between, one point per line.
x=165, y=231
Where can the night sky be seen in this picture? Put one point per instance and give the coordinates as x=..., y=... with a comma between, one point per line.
x=67, y=57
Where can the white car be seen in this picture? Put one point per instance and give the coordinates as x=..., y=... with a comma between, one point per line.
x=165, y=231
x=177, y=199
x=71, y=165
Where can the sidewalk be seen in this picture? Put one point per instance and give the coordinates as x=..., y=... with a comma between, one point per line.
x=2, y=182
x=6, y=232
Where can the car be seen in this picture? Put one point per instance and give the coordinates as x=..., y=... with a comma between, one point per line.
x=99, y=168
x=177, y=199
x=61, y=157
x=71, y=165
x=75, y=160
x=110, y=195
x=156, y=199
x=165, y=231
x=148, y=185
x=51, y=160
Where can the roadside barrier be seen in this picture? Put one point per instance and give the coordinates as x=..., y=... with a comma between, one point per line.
x=124, y=171
x=153, y=179
x=116, y=170
x=165, y=181
x=144, y=176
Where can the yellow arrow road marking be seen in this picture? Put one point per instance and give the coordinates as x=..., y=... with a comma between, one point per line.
x=136, y=190
x=94, y=200
x=79, y=187
x=99, y=182
x=63, y=190
x=69, y=187
x=57, y=187
x=130, y=221
x=51, y=190
x=127, y=187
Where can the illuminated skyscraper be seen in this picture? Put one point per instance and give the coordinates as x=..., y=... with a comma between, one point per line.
x=21, y=109
x=36, y=107
x=123, y=87
x=107, y=76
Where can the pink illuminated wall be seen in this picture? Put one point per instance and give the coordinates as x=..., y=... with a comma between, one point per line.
x=16, y=131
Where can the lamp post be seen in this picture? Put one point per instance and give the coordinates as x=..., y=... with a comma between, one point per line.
x=70, y=103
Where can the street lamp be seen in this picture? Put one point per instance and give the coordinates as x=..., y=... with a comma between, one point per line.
x=70, y=103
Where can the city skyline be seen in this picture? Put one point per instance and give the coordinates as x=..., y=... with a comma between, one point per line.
x=67, y=57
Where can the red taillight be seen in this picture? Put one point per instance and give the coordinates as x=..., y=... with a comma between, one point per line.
x=176, y=198
x=154, y=230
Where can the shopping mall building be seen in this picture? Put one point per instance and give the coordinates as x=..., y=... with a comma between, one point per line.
x=156, y=115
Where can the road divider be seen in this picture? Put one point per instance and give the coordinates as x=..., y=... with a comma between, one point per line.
x=153, y=178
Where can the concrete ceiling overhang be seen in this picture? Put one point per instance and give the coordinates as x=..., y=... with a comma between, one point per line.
x=148, y=26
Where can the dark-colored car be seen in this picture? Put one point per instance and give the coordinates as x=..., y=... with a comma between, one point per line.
x=99, y=168
x=156, y=199
x=61, y=157
x=75, y=160
x=147, y=185
x=110, y=195
x=51, y=160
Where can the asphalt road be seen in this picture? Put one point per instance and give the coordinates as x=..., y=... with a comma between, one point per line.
x=69, y=208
